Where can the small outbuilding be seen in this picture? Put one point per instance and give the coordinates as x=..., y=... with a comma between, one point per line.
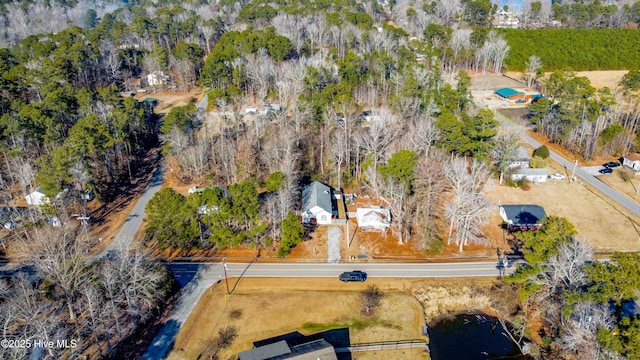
x=373, y=218
x=510, y=94
x=316, y=203
x=632, y=161
x=522, y=217
x=533, y=175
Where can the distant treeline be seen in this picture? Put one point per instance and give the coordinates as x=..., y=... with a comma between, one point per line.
x=577, y=49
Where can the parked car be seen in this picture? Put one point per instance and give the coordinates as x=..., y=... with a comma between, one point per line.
x=612, y=164
x=9, y=225
x=606, y=170
x=355, y=275
x=556, y=176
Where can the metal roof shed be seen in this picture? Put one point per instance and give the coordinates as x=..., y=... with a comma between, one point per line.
x=507, y=92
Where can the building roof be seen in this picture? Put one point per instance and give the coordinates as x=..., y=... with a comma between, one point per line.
x=632, y=156
x=319, y=349
x=266, y=351
x=375, y=217
x=522, y=154
x=316, y=194
x=531, y=171
x=524, y=214
x=506, y=92
x=312, y=350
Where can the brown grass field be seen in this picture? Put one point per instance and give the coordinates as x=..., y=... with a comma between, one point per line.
x=264, y=308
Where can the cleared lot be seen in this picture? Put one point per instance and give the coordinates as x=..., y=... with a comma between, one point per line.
x=263, y=308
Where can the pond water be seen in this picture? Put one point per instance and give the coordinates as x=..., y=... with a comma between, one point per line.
x=471, y=337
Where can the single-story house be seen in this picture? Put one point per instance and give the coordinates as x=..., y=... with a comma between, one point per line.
x=373, y=218
x=316, y=349
x=509, y=94
x=316, y=203
x=533, y=175
x=632, y=160
x=521, y=158
x=37, y=197
x=522, y=217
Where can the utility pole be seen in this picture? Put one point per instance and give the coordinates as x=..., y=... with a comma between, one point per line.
x=574, y=170
x=226, y=281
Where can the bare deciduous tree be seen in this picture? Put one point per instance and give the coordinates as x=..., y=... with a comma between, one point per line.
x=579, y=335
x=505, y=149
x=533, y=65
x=430, y=184
x=468, y=208
x=59, y=253
x=371, y=298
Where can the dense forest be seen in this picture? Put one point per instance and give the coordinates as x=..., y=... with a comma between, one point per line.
x=576, y=49
x=370, y=96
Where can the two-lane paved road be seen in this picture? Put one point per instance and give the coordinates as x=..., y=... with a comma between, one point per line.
x=621, y=199
x=128, y=230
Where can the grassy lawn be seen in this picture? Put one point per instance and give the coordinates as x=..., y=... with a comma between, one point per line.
x=600, y=222
x=264, y=308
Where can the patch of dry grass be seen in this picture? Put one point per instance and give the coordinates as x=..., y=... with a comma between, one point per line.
x=443, y=300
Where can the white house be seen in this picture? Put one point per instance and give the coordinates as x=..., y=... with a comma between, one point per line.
x=521, y=158
x=533, y=175
x=632, y=160
x=157, y=78
x=373, y=218
x=316, y=203
x=36, y=197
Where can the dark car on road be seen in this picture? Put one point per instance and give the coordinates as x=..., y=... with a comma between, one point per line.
x=605, y=170
x=356, y=275
x=612, y=164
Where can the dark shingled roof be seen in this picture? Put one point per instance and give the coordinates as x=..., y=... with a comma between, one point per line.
x=312, y=350
x=524, y=214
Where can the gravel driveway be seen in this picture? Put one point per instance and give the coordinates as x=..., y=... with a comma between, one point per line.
x=333, y=244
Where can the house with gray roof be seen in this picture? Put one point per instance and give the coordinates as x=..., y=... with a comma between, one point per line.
x=522, y=217
x=312, y=350
x=316, y=203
